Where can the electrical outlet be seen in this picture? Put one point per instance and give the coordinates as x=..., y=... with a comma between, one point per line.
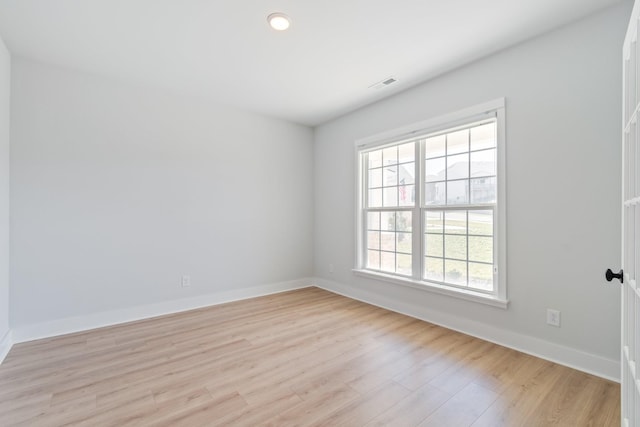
x=553, y=317
x=186, y=281
x=331, y=268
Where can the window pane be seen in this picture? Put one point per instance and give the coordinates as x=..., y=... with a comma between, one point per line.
x=403, y=221
x=458, y=142
x=375, y=159
x=483, y=136
x=481, y=222
x=403, y=264
x=407, y=173
x=435, y=146
x=434, y=193
x=434, y=221
x=483, y=190
x=388, y=241
x=455, y=272
x=406, y=195
x=390, y=195
x=481, y=276
x=433, y=269
x=390, y=156
x=394, y=241
x=483, y=163
x=455, y=222
x=433, y=245
x=375, y=198
x=457, y=192
x=481, y=249
x=407, y=153
x=373, y=240
x=458, y=166
x=435, y=169
x=373, y=260
x=390, y=176
x=375, y=178
x=455, y=247
x=403, y=242
x=388, y=221
x=388, y=262
x=373, y=220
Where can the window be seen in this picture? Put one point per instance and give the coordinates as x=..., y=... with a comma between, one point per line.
x=431, y=205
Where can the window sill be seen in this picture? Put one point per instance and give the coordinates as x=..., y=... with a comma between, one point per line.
x=478, y=297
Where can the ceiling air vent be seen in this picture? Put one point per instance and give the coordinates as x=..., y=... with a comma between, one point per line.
x=383, y=83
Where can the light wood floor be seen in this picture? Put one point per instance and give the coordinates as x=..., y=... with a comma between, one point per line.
x=306, y=357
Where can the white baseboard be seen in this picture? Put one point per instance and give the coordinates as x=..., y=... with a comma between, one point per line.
x=5, y=345
x=567, y=356
x=108, y=318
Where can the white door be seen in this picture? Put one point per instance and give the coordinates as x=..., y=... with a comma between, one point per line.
x=630, y=226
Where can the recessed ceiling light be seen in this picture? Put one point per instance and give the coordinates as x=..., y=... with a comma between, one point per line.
x=279, y=21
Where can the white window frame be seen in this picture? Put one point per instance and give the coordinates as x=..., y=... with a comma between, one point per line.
x=492, y=109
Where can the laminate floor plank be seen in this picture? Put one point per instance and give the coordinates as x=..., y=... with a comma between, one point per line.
x=300, y=358
x=413, y=409
x=366, y=407
x=462, y=409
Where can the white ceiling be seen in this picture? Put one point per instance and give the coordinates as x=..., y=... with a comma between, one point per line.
x=319, y=69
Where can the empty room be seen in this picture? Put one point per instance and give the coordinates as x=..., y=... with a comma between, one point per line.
x=329, y=213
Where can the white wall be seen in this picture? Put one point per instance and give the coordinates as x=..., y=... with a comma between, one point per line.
x=563, y=108
x=5, y=79
x=117, y=191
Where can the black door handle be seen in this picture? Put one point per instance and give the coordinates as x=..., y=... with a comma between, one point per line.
x=610, y=275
